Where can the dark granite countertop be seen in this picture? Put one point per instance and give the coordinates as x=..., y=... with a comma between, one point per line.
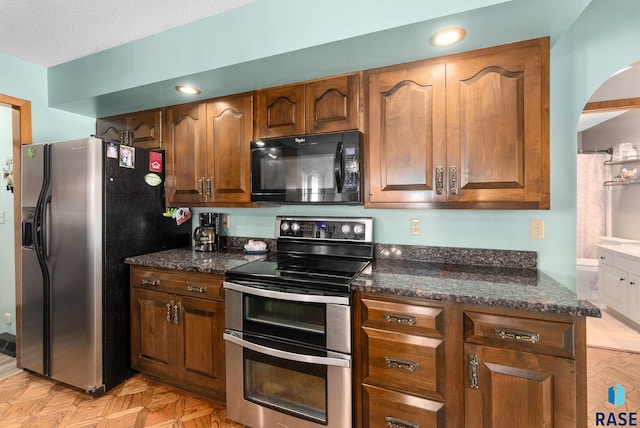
x=509, y=288
x=194, y=261
x=487, y=282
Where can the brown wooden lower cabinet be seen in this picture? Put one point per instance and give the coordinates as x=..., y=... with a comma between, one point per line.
x=434, y=364
x=519, y=389
x=177, y=322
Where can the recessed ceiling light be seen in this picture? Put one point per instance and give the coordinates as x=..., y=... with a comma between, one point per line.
x=189, y=90
x=447, y=37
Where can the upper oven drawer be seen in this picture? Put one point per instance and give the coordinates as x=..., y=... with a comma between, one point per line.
x=179, y=282
x=312, y=320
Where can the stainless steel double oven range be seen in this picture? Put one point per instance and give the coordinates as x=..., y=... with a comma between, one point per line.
x=288, y=325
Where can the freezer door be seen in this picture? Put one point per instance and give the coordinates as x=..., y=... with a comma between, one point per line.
x=74, y=220
x=32, y=296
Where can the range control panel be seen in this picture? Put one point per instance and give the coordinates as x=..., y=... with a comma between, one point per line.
x=325, y=228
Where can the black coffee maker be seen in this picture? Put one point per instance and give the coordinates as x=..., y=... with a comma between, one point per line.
x=209, y=235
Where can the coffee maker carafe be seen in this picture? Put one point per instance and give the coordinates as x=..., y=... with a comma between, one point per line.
x=209, y=236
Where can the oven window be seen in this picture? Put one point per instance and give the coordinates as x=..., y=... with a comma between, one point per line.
x=295, y=388
x=300, y=321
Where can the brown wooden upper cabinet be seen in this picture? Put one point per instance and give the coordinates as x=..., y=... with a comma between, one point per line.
x=146, y=127
x=326, y=105
x=207, y=146
x=469, y=130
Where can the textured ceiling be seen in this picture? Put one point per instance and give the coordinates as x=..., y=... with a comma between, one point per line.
x=51, y=32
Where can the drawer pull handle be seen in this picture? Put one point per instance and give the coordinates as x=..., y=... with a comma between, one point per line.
x=517, y=335
x=197, y=288
x=151, y=282
x=400, y=319
x=399, y=363
x=472, y=371
x=176, y=313
x=439, y=180
x=453, y=180
x=399, y=423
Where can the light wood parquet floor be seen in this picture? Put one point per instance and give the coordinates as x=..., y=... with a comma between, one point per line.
x=28, y=400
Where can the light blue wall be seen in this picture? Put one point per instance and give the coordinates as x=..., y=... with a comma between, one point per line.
x=602, y=41
x=26, y=81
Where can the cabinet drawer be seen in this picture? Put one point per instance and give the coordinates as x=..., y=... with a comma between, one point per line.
x=605, y=256
x=403, y=362
x=184, y=283
x=383, y=408
x=539, y=336
x=412, y=319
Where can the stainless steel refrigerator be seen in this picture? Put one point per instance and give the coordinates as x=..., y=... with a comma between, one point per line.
x=87, y=204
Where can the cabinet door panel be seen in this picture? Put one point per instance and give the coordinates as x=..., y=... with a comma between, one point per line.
x=633, y=300
x=147, y=129
x=406, y=134
x=111, y=127
x=229, y=132
x=186, y=154
x=201, y=352
x=281, y=111
x=152, y=336
x=332, y=104
x=495, y=128
x=613, y=287
x=520, y=389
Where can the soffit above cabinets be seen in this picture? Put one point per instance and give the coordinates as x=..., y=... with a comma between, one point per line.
x=267, y=43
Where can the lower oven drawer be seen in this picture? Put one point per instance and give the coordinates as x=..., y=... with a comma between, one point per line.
x=383, y=409
x=404, y=362
x=274, y=384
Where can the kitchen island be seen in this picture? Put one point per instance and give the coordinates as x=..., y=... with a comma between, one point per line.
x=485, y=340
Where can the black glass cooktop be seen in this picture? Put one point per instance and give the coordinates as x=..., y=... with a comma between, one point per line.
x=303, y=270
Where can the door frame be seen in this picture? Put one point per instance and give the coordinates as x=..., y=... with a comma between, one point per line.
x=21, y=135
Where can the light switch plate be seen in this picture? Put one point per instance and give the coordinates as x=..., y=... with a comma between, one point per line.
x=536, y=229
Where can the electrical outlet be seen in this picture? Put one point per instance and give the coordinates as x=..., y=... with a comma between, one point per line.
x=414, y=225
x=536, y=229
x=225, y=221
x=7, y=318
x=1, y=217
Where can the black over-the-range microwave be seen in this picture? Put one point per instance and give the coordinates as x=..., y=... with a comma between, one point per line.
x=321, y=169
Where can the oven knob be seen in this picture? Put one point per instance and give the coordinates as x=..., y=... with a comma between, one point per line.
x=295, y=227
x=358, y=229
x=346, y=228
x=284, y=226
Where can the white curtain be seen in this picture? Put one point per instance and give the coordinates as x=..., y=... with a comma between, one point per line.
x=591, y=203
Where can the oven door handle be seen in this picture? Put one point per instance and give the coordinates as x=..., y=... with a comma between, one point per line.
x=311, y=359
x=293, y=297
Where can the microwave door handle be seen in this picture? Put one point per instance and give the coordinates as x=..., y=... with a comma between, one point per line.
x=310, y=359
x=338, y=167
